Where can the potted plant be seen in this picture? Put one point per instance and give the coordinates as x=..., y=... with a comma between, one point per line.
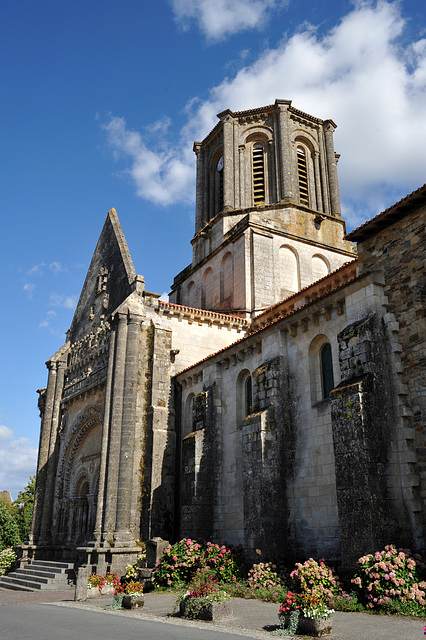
x=132, y=595
x=304, y=614
x=204, y=600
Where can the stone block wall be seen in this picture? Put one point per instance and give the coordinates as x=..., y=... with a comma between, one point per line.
x=363, y=424
x=398, y=249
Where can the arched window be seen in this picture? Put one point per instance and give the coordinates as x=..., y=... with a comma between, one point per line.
x=258, y=174
x=289, y=271
x=302, y=171
x=187, y=426
x=219, y=186
x=207, y=289
x=320, y=267
x=226, y=277
x=190, y=294
x=244, y=388
x=327, y=376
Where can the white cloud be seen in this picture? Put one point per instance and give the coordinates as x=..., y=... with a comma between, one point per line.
x=29, y=289
x=56, y=267
x=67, y=302
x=5, y=433
x=223, y=18
x=359, y=73
x=162, y=176
x=18, y=461
x=37, y=269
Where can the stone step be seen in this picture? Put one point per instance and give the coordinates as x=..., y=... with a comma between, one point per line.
x=32, y=570
x=41, y=574
x=18, y=585
x=53, y=564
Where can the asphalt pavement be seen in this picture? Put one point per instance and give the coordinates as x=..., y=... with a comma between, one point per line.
x=55, y=616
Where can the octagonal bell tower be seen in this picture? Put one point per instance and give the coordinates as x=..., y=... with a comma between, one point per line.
x=268, y=217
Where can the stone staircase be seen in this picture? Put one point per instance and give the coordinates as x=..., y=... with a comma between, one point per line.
x=40, y=574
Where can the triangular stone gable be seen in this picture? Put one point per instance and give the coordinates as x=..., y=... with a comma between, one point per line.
x=108, y=281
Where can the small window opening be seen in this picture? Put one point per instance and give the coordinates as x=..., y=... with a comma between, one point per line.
x=248, y=396
x=219, y=169
x=327, y=370
x=303, y=176
x=258, y=174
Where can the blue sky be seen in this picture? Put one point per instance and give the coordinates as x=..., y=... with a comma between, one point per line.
x=101, y=102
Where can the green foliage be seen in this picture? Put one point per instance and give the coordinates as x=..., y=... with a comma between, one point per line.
x=7, y=560
x=293, y=621
x=391, y=575
x=9, y=530
x=346, y=602
x=23, y=508
x=315, y=578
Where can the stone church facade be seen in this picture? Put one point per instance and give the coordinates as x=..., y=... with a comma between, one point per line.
x=277, y=401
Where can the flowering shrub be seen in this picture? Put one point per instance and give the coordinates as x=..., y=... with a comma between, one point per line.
x=389, y=575
x=182, y=560
x=7, y=560
x=177, y=564
x=263, y=575
x=225, y=563
x=315, y=578
x=132, y=569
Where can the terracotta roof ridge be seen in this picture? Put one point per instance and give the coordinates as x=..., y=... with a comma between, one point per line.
x=305, y=289
x=386, y=211
x=275, y=320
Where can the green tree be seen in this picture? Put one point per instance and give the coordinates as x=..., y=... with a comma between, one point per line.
x=23, y=508
x=9, y=530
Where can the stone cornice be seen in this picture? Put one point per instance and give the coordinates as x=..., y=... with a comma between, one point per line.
x=201, y=316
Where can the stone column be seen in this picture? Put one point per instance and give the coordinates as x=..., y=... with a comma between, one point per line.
x=228, y=164
x=240, y=204
x=125, y=491
x=105, y=438
x=116, y=416
x=329, y=128
x=319, y=204
x=285, y=174
x=49, y=484
x=43, y=453
x=200, y=200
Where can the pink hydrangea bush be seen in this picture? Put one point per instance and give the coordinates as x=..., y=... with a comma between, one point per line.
x=391, y=575
x=263, y=575
x=178, y=564
x=315, y=578
x=182, y=560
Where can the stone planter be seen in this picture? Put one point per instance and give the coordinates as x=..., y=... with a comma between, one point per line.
x=107, y=590
x=315, y=627
x=215, y=611
x=133, y=602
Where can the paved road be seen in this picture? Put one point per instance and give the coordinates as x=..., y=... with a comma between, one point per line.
x=24, y=616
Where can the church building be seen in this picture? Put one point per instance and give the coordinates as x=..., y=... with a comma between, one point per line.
x=276, y=401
